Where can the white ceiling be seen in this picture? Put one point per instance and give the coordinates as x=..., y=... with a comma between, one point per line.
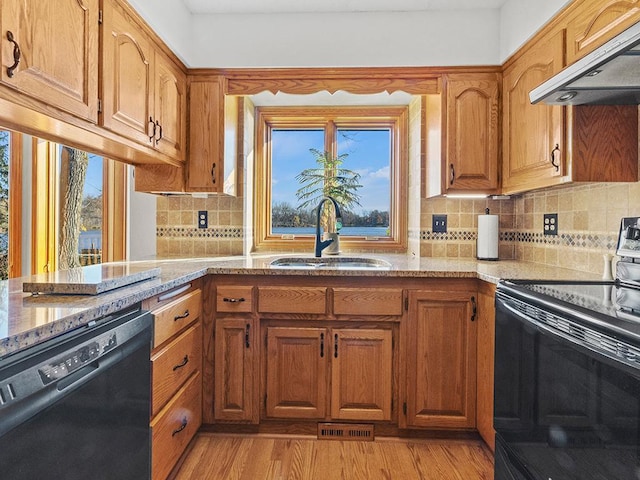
x=324, y=6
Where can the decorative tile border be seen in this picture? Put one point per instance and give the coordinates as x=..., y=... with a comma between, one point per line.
x=578, y=239
x=591, y=240
x=194, y=232
x=464, y=236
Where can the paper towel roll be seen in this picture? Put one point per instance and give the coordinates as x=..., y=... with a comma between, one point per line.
x=488, y=235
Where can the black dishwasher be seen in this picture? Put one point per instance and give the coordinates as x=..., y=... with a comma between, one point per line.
x=77, y=407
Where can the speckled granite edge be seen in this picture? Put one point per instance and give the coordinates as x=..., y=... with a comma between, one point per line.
x=114, y=303
x=79, y=288
x=68, y=312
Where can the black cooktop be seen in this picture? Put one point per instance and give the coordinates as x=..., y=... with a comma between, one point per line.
x=606, y=306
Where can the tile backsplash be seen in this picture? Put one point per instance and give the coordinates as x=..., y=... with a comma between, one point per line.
x=588, y=222
x=177, y=231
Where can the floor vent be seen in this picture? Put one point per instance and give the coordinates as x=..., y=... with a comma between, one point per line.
x=345, y=431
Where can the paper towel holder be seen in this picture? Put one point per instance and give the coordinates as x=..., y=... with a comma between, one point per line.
x=488, y=236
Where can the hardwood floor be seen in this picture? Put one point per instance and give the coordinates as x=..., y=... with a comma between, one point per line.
x=244, y=457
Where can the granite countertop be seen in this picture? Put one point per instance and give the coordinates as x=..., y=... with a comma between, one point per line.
x=27, y=319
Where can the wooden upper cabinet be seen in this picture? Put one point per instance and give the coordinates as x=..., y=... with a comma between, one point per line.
x=144, y=93
x=170, y=106
x=206, y=137
x=127, y=58
x=471, y=128
x=534, y=149
x=441, y=360
x=594, y=22
x=58, y=44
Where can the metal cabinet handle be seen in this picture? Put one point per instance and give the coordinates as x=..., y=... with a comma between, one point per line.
x=233, y=300
x=158, y=137
x=246, y=336
x=180, y=317
x=335, y=346
x=452, y=174
x=152, y=128
x=213, y=173
x=555, y=163
x=181, y=427
x=474, y=309
x=322, y=345
x=16, y=54
x=185, y=360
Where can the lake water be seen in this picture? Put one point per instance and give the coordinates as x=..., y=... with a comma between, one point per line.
x=345, y=231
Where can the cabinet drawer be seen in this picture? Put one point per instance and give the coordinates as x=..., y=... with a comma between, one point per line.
x=175, y=426
x=172, y=365
x=370, y=301
x=234, y=299
x=292, y=300
x=174, y=316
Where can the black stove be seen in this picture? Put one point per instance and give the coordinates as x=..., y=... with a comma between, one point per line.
x=567, y=374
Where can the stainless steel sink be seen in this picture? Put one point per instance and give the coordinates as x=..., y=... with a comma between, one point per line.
x=331, y=263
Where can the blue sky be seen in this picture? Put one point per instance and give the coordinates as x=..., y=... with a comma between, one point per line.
x=368, y=155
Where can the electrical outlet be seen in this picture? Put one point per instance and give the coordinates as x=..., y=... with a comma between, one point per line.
x=550, y=224
x=203, y=219
x=439, y=224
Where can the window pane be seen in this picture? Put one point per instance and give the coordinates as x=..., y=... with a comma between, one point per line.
x=5, y=152
x=89, y=223
x=290, y=155
x=368, y=153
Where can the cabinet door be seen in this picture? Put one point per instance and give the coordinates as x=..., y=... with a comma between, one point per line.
x=441, y=360
x=234, y=370
x=361, y=381
x=472, y=121
x=533, y=135
x=296, y=372
x=58, y=42
x=485, y=362
x=596, y=22
x=170, y=108
x=206, y=138
x=127, y=59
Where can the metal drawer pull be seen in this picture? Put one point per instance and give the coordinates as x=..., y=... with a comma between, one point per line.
x=335, y=346
x=321, y=345
x=233, y=300
x=180, y=317
x=182, y=427
x=158, y=137
x=153, y=130
x=553, y=157
x=185, y=360
x=16, y=54
x=474, y=309
x=246, y=336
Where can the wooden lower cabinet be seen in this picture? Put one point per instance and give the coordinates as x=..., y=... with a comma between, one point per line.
x=297, y=379
x=361, y=380
x=485, y=360
x=176, y=378
x=296, y=382
x=441, y=359
x=234, y=370
x=174, y=427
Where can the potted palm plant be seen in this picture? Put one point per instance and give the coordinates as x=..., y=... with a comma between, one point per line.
x=328, y=179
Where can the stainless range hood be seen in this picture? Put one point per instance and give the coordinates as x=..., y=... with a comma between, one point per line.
x=609, y=75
